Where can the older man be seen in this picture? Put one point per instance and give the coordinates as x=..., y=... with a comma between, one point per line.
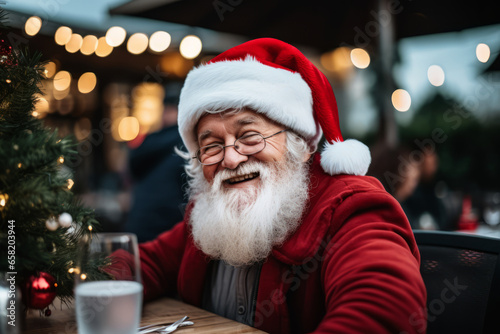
x=276, y=236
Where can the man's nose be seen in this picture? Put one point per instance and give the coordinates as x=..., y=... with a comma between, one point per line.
x=232, y=158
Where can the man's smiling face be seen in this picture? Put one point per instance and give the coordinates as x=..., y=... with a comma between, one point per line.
x=224, y=129
x=244, y=205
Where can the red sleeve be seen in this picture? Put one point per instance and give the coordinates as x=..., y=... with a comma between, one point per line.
x=160, y=262
x=371, y=273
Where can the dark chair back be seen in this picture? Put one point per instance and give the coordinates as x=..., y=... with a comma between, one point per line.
x=462, y=276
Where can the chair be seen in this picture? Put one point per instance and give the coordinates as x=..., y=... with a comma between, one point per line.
x=462, y=276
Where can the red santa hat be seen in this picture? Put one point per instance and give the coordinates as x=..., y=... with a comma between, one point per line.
x=277, y=80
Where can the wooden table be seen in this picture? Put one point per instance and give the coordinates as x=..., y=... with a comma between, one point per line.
x=162, y=310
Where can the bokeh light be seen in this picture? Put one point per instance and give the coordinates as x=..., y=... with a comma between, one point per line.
x=159, y=41
x=50, y=69
x=62, y=80
x=360, y=58
x=74, y=44
x=89, y=45
x=103, y=48
x=137, y=43
x=483, y=52
x=60, y=94
x=401, y=100
x=190, y=47
x=63, y=35
x=41, y=107
x=338, y=62
x=128, y=128
x=33, y=25
x=435, y=74
x=115, y=36
x=175, y=64
x=87, y=82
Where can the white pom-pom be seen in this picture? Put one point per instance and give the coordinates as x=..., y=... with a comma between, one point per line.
x=65, y=219
x=347, y=157
x=51, y=224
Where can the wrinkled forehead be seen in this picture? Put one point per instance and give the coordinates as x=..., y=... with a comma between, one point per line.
x=233, y=118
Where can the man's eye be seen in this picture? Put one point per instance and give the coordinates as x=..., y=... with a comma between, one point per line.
x=211, y=150
x=249, y=134
x=251, y=139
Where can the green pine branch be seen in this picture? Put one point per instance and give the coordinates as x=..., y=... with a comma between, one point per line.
x=34, y=184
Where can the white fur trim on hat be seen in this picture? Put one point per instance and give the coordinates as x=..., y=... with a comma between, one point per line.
x=347, y=157
x=281, y=95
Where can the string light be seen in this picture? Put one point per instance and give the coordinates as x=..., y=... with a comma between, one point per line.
x=61, y=159
x=70, y=183
x=63, y=35
x=50, y=69
x=401, y=100
x=41, y=106
x=33, y=25
x=87, y=82
x=360, y=58
x=3, y=200
x=103, y=48
x=435, y=74
x=159, y=41
x=483, y=52
x=83, y=277
x=128, y=128
x=190, y=47
x=89, y=45
x=74, y=44
x=90, y=228
x=74, y=270
x=115, y=36
x=19, y=165
x=62, y=80
x=137, y=43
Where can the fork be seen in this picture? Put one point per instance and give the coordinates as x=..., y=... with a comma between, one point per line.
x=172, y=326
x=182, y=324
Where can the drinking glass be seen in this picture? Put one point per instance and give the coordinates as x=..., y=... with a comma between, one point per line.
x=108, y=288
x=491, y=213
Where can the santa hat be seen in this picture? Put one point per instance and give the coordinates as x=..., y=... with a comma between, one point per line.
x=273, y=78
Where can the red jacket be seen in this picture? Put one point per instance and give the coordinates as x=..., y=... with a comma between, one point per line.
x=351, y=267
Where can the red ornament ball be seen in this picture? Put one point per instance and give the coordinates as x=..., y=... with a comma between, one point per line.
x=40, y=290
x=6, y=56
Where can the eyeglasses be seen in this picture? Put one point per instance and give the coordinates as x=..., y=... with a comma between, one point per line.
x=246, y=145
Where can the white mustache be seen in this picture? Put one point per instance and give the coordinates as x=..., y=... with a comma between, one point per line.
x=241, y=170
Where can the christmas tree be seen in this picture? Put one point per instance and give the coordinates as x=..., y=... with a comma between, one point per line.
x=42, y=222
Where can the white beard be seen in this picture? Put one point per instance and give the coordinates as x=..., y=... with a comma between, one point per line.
x=241, y=226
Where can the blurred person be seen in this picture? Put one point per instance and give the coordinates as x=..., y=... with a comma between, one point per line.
x=275, y=235
x=393, y=167
x=158, y=177
x=409, y=183
x=426, y=206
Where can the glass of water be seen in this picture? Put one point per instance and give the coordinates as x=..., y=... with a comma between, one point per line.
x=108, y=288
